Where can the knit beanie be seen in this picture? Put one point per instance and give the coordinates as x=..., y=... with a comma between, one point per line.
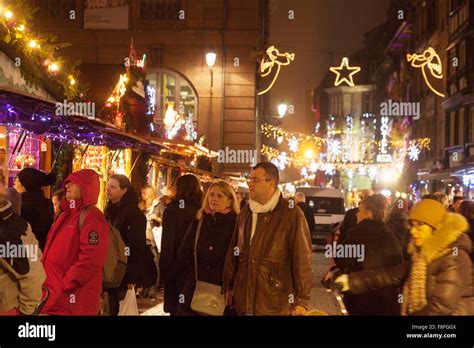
x=33, y=179
x=428, y=211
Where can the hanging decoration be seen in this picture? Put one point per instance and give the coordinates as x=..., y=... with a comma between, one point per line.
x=37, y=52
x=430, y=64
x=349, y=80
x=272, y=63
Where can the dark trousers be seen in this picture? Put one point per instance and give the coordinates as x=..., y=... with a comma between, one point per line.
x=114, y=296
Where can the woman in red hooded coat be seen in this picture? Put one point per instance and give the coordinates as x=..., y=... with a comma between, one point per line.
x=73, y=259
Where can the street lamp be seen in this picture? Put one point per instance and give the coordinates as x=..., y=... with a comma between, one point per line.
x=282, y=108
x=211, y=61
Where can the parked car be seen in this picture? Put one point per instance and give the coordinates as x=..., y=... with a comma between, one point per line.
x=327, y=205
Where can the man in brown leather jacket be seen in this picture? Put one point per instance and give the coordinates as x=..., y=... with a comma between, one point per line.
x=268, y=265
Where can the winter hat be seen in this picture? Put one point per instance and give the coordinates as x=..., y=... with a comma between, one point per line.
x=33, y=179
x=428, y=211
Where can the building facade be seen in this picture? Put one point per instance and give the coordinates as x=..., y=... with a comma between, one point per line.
x=175, y=36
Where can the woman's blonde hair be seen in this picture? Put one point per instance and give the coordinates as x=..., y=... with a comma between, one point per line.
x=150, y=190
x=227, y=190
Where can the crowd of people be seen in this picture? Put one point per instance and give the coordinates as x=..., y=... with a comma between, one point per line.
x=211, y=253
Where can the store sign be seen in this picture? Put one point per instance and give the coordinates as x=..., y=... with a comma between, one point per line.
x=384, y=156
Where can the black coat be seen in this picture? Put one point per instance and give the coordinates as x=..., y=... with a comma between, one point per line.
x=176, y=221
x=38, y=211
x=308, y=214
x=381, y=250
x=130, y=221
x=216, y=233
x=349, y=223
x=400, y=227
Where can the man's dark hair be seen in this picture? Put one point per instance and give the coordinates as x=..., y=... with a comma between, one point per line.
x=457, y=198
x=270, y=169
x=123, y=181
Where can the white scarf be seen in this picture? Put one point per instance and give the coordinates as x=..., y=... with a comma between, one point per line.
x=258, y=208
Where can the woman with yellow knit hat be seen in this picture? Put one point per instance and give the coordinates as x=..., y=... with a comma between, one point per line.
x=437, y=279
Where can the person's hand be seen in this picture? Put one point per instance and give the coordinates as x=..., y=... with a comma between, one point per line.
x=299, y=311
x=229, y=296
x=343, y=280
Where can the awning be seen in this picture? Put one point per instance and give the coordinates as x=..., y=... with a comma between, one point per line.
x=445, y=174
x=38, y=116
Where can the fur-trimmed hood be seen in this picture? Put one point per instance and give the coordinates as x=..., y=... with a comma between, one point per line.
x=449, y=234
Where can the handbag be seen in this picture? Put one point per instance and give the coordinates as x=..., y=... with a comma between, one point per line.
x=208, y=299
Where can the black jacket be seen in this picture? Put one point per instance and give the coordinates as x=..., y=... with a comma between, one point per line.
x=400, y=227
x=349, y=223
x=381, y=250
x=308, y=214
x=130, y=221
x=216, y=233
x=176, y=221
x=38, y=211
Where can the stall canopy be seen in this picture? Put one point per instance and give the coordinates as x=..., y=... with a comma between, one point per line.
x=38, y=116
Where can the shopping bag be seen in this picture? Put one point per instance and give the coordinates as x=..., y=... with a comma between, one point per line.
x=128, y=306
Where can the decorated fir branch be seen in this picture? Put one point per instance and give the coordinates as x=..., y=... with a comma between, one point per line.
x=36, y=54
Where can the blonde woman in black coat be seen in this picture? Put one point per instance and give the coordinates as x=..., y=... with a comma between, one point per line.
x=218, y=215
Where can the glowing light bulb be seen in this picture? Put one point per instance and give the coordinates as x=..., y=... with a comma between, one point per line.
x=8, y=15
x=21, y=27
x=53, y=67
x=33, y=44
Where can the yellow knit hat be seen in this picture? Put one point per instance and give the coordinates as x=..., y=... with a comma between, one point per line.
x=428, y=211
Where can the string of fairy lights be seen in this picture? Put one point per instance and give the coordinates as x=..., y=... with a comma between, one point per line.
x=341, y=151
x=40, y=49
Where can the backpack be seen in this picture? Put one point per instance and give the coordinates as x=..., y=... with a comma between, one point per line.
x=115, y=265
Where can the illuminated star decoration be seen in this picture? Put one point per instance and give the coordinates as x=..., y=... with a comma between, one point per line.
x=345, y=66
x=428, y=61
x=413, y=152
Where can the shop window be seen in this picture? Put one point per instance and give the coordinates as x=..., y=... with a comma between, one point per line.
x=159, y=9
x=171, y=90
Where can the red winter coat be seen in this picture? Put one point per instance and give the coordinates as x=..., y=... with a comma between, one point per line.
x=73, y=259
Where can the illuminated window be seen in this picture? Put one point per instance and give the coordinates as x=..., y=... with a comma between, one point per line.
x=172, y=89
